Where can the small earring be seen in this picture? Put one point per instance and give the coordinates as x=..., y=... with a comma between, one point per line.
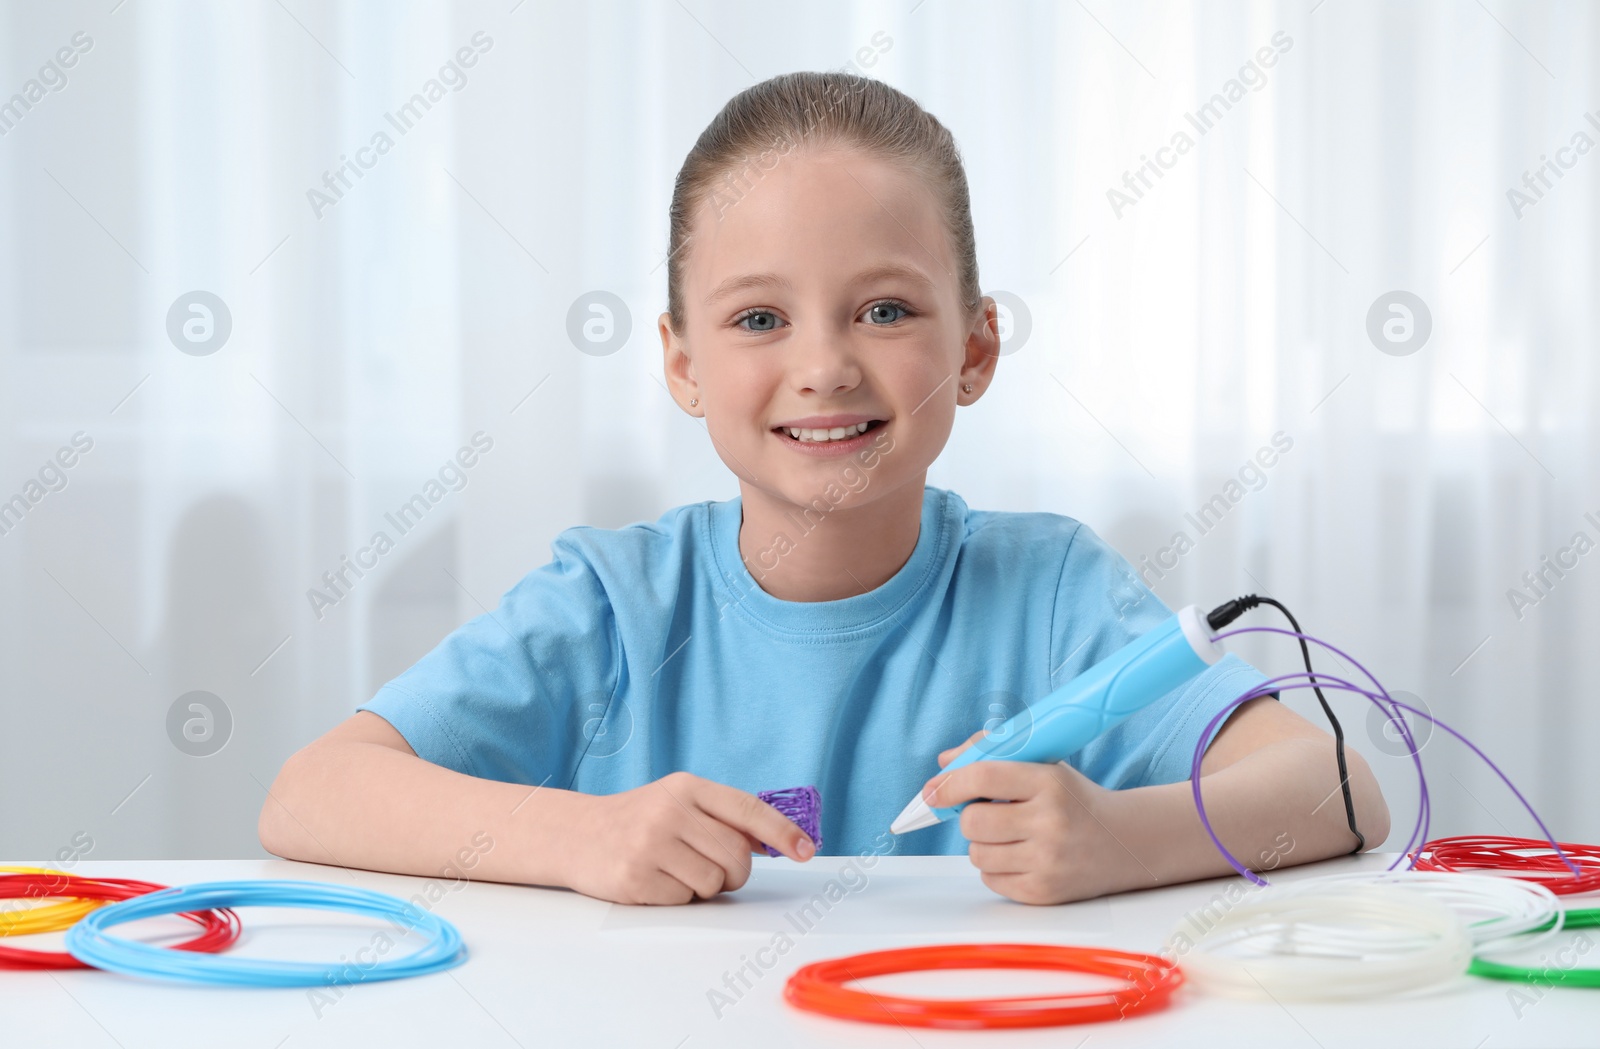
x=966, y=387
x=693, y=401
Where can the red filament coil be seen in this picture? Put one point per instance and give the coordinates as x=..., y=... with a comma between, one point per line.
x=219, y=928
x=1531, y=859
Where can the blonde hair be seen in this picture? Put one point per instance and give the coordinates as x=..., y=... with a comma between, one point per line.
x=822, y=110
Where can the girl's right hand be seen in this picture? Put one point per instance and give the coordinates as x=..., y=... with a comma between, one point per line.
x=673, y=840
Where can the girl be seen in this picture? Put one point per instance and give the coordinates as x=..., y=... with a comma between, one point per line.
x=840, y=624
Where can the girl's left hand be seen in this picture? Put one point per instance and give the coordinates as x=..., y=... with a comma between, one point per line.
x=1043, y=837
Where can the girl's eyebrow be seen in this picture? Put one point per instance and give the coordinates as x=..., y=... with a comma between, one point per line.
x=744, y=282
x=772, y=280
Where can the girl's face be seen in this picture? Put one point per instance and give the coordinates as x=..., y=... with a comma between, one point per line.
x=822, y=297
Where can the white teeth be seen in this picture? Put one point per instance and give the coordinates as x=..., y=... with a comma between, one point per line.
x=837, y=433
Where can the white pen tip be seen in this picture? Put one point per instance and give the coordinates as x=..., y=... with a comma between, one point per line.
x=916, y=816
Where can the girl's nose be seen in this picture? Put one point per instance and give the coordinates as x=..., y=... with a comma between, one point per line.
x=825, y=363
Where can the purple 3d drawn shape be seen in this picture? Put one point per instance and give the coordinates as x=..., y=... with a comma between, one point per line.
x=803, y=805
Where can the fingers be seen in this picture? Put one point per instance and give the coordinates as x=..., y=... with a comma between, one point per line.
x=761, y=822
x=995, y=780
x=950, y=752
x=727, y=847
x=1015, y=886
x=1002, y=859
x=947, y=756
x=693, y=870
x=996, y=823
x=719, y=840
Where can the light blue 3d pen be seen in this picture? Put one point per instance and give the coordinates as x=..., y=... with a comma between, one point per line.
x=1136, y=675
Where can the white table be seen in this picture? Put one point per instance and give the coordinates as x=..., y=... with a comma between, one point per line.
x=554, y=968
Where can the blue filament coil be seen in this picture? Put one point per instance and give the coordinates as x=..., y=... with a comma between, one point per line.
x=89, y=942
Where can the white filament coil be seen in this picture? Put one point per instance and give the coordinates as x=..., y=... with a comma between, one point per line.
x=1495, y=908
x=1338, y=942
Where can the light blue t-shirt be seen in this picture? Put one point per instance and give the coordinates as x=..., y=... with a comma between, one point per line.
x=649, y=649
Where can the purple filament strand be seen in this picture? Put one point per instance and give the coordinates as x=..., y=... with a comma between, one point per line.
x=1381, y=697
x=1424, y=808
x=803, y=805
x=1404, y=729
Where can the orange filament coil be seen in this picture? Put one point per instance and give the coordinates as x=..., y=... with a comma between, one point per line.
x=1150, y=981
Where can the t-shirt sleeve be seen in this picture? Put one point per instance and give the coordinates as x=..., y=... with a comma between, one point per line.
x=1101, y=605
x=508, y=695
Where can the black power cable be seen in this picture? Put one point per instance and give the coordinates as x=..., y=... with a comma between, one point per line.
x=1226, y=613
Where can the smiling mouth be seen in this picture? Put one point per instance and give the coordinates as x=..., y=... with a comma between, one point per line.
x=838, y=433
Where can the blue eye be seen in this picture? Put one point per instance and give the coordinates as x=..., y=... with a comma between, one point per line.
x=889, y=304
x=765, y=320
x=769, y=326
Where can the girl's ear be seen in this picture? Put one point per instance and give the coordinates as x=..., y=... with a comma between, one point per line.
x=982, y=350
x=677, y=366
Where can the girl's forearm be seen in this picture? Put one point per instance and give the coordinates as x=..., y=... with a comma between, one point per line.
x=1277, y=806
x=364, y=805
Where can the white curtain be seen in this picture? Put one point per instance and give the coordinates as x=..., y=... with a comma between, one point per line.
x=1190, y=316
